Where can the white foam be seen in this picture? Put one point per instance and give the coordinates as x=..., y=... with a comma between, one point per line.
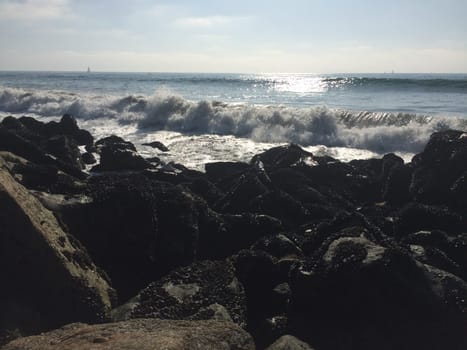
x=201, y=131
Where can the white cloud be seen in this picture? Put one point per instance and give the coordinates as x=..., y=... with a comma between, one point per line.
x=206, y=22
x=361, y=59
x=29, y=10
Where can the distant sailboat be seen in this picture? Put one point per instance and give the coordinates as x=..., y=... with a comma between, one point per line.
x=89, y=70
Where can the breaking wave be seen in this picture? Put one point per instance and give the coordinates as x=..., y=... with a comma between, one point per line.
x=380, y=132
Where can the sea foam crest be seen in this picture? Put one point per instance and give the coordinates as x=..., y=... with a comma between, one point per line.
x=376, y=131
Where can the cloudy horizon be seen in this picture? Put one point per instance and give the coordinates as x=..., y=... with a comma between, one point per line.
x=210, y=36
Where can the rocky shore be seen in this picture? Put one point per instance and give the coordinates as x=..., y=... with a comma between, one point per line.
x=288, y=251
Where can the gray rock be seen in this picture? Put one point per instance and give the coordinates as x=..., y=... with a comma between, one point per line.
x=46, y=275
x=289, y=342
x=141, y=334
x=203, y=290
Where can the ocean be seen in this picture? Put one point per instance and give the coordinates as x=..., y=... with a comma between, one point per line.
x=230, y=117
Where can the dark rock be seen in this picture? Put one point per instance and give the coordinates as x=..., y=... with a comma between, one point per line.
x=156, y=144
x=69, y=127
x=203, y=290
x=14, y=143
x=11, y=123
x=117, y=160
x=65, y=149
x=433, y=238
x=153, y=227
x=415, y=217
x=247, y=187
x=372, y=295
x=225, y=235
x=36, y=131
x=88, y=158
x=390, y=161
x=377, y=171
x=396, y=188
x=442, y=161
x=141, y=334
x=182, y=220
x=298, y=186
x=278, y=246
x=259, y=274
x=283, y=157
x=458, y=190
x=343, y=224
x=48, y=277
x=337, y=181
x=442, y=147
x=437, y=258
x=115, y=142
x=45, y=178
x=374, y=253
x=32, y=146
x=117, y=154
x=282, y=206
x=440, y=250
x=370, y=167
x=33, y=125
x=219, y=172
x=206, y=189
x=429, y=185
x=117, y=222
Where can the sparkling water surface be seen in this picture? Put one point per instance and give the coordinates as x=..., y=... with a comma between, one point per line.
x=230, y=117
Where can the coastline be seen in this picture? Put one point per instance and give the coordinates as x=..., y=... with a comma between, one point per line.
x=367, y=252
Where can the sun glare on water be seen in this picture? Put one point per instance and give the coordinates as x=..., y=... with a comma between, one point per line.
x=297, y=83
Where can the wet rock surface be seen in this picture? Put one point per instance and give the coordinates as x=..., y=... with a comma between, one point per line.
x=360, y=255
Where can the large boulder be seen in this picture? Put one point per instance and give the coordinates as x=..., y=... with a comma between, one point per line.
x=48, y=279
x=117, y=221
x=443, y=160
x=203, y=290
x=141, y=334
x=414, y=217
x=224, y=172
x=43, y=144
x=40, y=177
x=69, y=127
x=375, y=296
x=117, y=154
x=65, y=148
x=284, y=156
x=440, y=250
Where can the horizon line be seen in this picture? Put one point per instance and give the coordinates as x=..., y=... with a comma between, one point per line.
x=390, y=72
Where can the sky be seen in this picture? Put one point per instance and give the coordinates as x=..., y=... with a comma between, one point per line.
x=241, y=36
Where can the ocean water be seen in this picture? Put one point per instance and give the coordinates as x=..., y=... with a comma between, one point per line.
x=214, y=117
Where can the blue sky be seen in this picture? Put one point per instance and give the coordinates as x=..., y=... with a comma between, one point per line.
x=315, y=36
